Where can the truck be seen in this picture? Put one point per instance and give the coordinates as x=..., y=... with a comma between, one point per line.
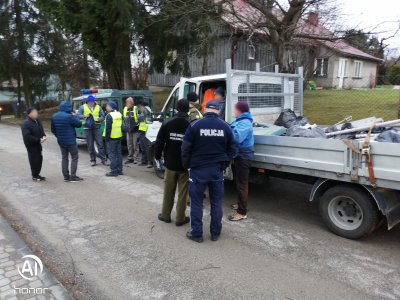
x=103, y=96
x=354, y=196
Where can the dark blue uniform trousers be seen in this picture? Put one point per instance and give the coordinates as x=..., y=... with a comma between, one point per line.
x=115, y=155
x=199, y=179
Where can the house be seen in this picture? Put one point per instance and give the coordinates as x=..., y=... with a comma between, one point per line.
x=337, y=64
x=330, y=62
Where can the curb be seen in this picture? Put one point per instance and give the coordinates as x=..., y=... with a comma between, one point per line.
x=57, y=290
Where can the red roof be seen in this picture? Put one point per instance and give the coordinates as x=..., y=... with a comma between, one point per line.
x=242, y=16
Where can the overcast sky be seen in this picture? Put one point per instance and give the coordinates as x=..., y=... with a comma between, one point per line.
x=367, y=14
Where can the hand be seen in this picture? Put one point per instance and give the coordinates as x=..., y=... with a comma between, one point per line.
x=42, y=140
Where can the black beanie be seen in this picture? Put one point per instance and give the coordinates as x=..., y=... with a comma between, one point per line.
x=192, y=97
x=29, y=110
x=182, y=106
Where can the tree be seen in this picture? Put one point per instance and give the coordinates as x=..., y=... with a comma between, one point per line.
x=172, y=31
x=105, y=28
x=277, y=24
x=29, y=45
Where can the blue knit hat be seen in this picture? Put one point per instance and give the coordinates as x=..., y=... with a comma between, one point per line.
x=112, y=104
x=90, y=99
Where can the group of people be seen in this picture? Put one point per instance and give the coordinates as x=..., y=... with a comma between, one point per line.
x=90, y=116
x=197, y=146
x=197, y=149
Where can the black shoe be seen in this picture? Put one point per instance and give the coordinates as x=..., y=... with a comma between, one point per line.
x=129, y=161
x=214, y=238
x=187, y=220
x=67, y=178
x=135, y=162
x=75, y=179
x=41, y=178
x=198, y=239
x=162, y=218
x=93, y=163
x=112, y=174
x=121, y=173
x=36, y=178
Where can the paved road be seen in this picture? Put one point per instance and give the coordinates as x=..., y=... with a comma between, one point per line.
x=104, y=231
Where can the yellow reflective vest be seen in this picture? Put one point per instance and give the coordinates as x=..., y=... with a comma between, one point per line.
x=135, y=113
x=95, y=112
x=116, y=126
x=143, y=124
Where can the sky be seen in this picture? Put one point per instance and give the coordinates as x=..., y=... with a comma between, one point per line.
x=381, y=16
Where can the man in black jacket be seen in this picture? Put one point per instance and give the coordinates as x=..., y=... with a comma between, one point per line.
x=34, y=136
x=169, y=140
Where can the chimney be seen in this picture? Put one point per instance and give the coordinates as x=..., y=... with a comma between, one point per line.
x=313, y=18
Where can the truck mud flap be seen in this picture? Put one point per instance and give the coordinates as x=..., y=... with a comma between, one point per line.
x=389, y=204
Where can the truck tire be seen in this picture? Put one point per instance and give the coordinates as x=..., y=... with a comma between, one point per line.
x=349, y=211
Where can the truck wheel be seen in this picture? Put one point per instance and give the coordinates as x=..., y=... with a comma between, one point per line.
x=349, y=212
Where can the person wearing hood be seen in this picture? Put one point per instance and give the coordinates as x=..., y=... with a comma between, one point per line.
x=92, y=115
x=34, y=136
x=194, y=107
x=63, y=125
x=242, y=129
x=112, y=135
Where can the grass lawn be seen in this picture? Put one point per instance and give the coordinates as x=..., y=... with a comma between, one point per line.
x=330, y=106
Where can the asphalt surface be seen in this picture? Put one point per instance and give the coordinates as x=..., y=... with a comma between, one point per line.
x=105, y=233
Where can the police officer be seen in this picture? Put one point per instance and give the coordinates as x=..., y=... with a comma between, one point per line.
x=194, y=107
x=112, y=135
x=208, y=147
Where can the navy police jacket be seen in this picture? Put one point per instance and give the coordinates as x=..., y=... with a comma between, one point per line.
x=208, y=142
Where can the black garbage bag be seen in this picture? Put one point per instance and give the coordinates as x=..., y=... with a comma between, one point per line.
x=312, y=132
x=302, y=121
x=389, y=136
x=346, y=126
x=287, y=119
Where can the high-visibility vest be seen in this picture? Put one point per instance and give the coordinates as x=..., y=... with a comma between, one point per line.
x=135, y=113
x=95, y=112
x=143, y=124
x=194, y=110
x=116, y=126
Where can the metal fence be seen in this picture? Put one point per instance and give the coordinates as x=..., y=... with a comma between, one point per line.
x=326, y=104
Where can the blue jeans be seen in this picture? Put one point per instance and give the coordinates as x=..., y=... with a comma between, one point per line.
x=199, y=179
x=115, y=155
x=92, y=136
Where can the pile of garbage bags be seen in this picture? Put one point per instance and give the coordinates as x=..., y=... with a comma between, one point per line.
x=299, y=126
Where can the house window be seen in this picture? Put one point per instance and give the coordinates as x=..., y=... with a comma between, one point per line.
x=321, y=67
x=251, y=52
x=357, y=69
